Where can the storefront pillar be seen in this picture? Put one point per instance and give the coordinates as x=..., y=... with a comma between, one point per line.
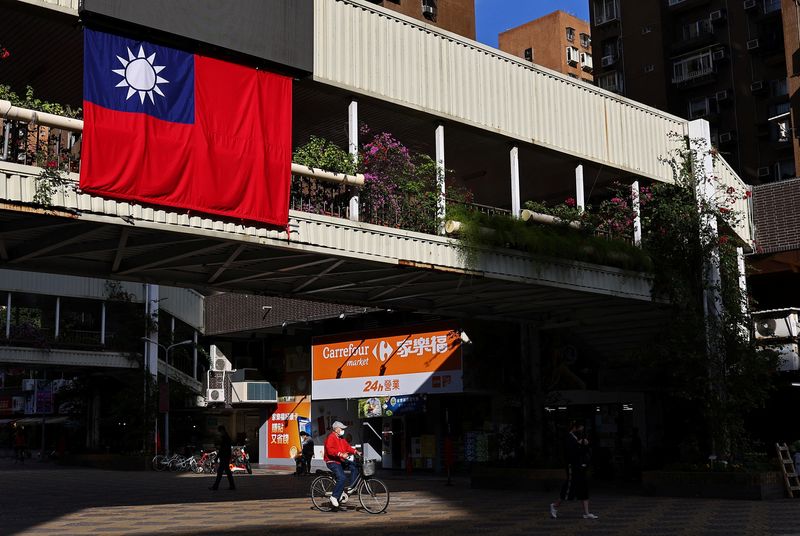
x=532, y=391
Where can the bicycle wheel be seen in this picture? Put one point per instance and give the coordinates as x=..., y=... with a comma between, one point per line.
x=196, y=467
x=373, y=496
x=249, y=468
x=158, y=462
x=321, y=490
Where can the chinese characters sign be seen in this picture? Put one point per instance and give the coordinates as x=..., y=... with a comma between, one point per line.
x=421, y=359
x=284, y=427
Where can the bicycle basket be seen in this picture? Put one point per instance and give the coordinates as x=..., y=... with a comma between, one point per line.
x=369, y=467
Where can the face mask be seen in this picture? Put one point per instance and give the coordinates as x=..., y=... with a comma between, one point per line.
x=341, y=433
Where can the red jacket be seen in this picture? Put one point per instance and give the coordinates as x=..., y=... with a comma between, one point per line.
x=334, y=445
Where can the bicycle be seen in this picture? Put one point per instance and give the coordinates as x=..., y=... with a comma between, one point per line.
x=207, y=462
x=372, y=492
x=162, y=463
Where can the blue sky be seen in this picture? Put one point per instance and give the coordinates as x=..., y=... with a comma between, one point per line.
x=495, y=16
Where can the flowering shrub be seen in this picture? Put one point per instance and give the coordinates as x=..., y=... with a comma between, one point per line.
x=319, y=197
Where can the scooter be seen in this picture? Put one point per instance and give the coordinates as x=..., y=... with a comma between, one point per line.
x=240, y=460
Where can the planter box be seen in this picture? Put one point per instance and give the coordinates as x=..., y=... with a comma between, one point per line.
x=516, y=478
x=751, y=486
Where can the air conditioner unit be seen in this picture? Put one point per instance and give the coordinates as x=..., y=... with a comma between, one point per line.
x=28, y=385
x=750, y=4
x=608, y=60
x=429, y=11
x=716, y=15
x=752, y=44
x=18, y=404
x=778, y=323
x=763, y=171
x=789, y=358
x=722, y=95
x=718, y=55
x=586, y=62
x=219, y=363
x=758, y=85
x=573, y=57
x=215, y=396
x=726, y=137
x=254, y=392
x=200, y=401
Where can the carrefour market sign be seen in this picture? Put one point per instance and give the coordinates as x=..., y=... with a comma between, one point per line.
x=419, y=359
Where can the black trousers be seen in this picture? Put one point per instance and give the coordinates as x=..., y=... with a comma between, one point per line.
x=303, y=465
x=576, y=486
x=224, y=467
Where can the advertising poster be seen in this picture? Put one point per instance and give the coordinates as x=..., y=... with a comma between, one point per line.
x=291, y=415
x=44, y=397
x=373, y=364
x=390, y=406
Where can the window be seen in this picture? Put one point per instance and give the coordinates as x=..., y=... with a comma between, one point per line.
x=696, y=29
x=572, y=75
x=611, y=82
x=779, y=126
x=647, y=29
x=570, y=34
x=528, y=54
x=649, y=68
x=772, y=5
x=701, y=107
x=784, y=169
x=692, y=67
x=778, y=87
x=586, y=41
x=605, y=11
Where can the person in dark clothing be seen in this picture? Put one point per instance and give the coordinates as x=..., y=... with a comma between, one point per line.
x=576, y=485
x=224, y=459
x=303, y=460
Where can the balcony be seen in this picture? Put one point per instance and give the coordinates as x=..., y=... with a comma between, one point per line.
x=694, y=71
x=684, y=5
x=693, y=36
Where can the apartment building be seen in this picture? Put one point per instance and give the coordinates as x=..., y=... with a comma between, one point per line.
x=457, y=16
x=713, y=59
x=559, y=41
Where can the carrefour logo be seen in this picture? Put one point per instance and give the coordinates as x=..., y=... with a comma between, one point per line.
x=382, y=351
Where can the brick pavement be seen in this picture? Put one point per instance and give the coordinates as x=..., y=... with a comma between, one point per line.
x=40, y=499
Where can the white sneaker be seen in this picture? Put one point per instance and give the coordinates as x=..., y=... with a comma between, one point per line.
x=334, y=502
x=589, y=516
x=553, y=511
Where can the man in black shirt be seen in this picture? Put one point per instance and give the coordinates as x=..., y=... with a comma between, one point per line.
x=224, y=459
x=576, y=485
x=303, y=459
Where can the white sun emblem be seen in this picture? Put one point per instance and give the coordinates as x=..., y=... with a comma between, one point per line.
x=140, y=75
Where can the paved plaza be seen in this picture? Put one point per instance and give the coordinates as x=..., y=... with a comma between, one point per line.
x=46, y=499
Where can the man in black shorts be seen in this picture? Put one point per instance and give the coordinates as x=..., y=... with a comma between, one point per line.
x=576, y=485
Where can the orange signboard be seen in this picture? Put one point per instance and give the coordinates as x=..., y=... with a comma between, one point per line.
x=404, y=361
x=284, y=426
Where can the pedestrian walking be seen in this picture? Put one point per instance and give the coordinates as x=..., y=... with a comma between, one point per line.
x=576, y=485
x=224, y=459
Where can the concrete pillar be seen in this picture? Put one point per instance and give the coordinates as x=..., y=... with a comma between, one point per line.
x=637, y=215
x=194, y=355
x=579, y=199
x=8, y=316
x=151, y=348
x=103, y=323
x=440, y=172
x=58, y=316
x=515, y=197
x=352, y=147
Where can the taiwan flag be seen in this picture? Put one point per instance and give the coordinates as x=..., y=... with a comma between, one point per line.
x=165, y=127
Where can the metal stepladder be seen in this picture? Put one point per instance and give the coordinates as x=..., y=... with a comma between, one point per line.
x=789, y=473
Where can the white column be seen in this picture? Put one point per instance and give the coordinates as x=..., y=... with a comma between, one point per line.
x=352, y=147
x=151, y=348
x=637, y=216
x=58, y=314
x=194, y=354
x=6, y=139
x=441, y=204
x=515, y=201
x=579, y=200
x=172, y=329
x=103, y=323
x=8, y=316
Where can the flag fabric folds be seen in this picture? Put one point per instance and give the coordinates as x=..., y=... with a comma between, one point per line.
x=170, y=128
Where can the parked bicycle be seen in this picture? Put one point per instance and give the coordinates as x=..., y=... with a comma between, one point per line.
x=163, y=463
x=207, y=462
x=372, y=492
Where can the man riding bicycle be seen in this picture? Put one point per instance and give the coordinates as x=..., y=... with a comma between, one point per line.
x=337, y=454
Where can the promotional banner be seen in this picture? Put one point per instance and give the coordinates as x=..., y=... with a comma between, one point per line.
x=284, y=427
x=390, y=406
x=171, y=128
x=404, y=361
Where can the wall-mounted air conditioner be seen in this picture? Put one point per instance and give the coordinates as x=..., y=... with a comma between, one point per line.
x=608, y=60
x=763, y=171
x=777, y=323
x=586, y=62
x=429, y=9
x=750, y=4
x=573, y=56
x=215, y=396
x=722, y=95
x=752, y=44
x=219, y=363
x=758, y=85
x=716, y=15
x=726, y=137
x=718, y=54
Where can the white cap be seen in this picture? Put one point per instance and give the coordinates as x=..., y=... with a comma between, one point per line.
x=338, y=424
